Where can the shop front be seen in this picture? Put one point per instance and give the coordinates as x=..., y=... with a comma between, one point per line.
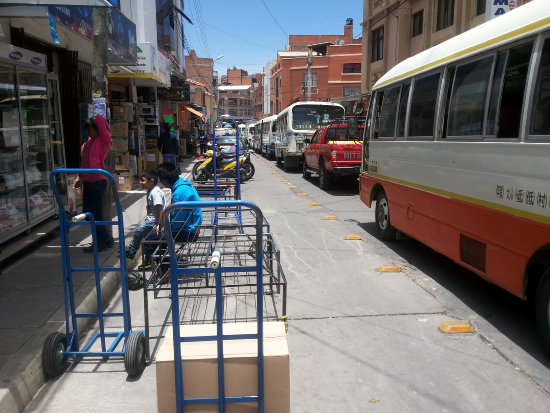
x=31, y=145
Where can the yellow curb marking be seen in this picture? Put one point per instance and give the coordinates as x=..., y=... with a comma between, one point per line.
x=302, y=194
x=284, y=180
x=292, y=187
x=375, y=400
x=329, y=217
x=352, y=237
x=389, y=268
x=313, y=204
x=456, y=327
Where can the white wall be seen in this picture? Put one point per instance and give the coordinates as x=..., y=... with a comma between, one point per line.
x=267, y=85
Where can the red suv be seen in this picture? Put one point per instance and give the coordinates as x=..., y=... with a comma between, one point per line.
x=333, y=151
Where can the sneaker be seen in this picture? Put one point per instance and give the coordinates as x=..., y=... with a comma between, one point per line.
x=145, y=266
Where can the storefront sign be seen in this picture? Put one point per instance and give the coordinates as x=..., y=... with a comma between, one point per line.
x=121, y=35
x=497, y=8
x=77, y=19
x=152, y=64
x=18, y=55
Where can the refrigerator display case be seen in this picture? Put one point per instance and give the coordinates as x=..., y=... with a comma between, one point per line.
x=27, y=137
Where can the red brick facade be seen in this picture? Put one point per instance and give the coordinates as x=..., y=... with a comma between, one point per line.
x=334, y=75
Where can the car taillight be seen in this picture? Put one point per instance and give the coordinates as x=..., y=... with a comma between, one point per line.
x=333, y=155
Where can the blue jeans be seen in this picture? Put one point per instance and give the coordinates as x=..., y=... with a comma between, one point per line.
x=169, y=158
x=181, y=236
x=141, y=232
x=92, y=202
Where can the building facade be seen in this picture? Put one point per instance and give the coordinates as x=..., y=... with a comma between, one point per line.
x=394, y=30
x=334, y=63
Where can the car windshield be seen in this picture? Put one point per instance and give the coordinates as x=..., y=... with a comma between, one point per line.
x=312, y=117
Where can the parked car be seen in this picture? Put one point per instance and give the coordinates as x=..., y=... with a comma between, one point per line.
x=334, y=150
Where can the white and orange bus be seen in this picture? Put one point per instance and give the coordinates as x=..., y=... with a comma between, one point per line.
x=457, y=152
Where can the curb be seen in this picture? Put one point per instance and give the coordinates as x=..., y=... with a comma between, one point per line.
x=21, y=391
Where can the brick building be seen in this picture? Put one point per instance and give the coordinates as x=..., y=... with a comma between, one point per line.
x=395, y=30
x=335, y=68
x=241, y=94
x=200, y=78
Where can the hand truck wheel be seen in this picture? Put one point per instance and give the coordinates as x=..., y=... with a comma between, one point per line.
x=135, y=354
x=54, y=359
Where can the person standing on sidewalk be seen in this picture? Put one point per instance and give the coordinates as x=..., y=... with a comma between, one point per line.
x=155, y=205
x=168, y=144
x=92, y=156
x=203, y=141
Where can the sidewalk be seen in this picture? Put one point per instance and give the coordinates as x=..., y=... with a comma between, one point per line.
x=32, y=305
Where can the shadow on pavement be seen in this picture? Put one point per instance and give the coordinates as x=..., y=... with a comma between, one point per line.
x=509, y=314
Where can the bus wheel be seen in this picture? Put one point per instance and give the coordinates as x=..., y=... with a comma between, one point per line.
x=382, y=216
x=542, y=307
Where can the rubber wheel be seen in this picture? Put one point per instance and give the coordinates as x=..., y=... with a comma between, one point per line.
x=305, y=173
x=134, y=354
x=279, y=161
x=195, y=173
x=324, y=178
x=249, y=169
x=542, y=309
x=382, y=217
x=54, y=359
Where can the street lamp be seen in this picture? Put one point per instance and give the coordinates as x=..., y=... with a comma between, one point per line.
x=212, y=93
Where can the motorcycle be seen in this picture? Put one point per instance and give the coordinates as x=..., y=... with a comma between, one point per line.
x=203, y=169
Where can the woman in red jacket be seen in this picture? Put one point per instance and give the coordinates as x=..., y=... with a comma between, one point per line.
x=92, y=155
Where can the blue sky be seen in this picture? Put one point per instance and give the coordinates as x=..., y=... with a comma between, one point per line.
x=248, y=35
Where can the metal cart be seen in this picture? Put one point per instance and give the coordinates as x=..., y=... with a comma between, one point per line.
x=220, y=264
x=58, y=346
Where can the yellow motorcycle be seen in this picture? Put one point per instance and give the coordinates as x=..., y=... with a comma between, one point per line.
x=203, y=169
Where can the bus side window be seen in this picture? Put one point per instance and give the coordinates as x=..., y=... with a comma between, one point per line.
x=423, y=103
x=388, y=112
x=540, y=112
x=496, y=89
x=380, y=95
x=513, y=91
x=402, y=114
x=468, y=100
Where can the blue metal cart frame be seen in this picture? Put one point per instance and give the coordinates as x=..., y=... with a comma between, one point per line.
x=59, y=346
x=176, y=272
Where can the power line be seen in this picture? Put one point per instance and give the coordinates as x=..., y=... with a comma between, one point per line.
x=198, y=11
x=237, y=37
x=274, y=19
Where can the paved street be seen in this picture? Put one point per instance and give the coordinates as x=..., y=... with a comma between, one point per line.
x=360, y=340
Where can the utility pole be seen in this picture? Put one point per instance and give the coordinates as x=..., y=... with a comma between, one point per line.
x=99, y=91
x=309, y=74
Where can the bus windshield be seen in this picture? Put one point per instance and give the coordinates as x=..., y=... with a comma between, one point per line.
x=312, y=117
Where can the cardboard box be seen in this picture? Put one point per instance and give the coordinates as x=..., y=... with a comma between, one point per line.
x=120, y=113
x=141, y=164
x=123, y=180
x=120, y=144
x=153, y=159
x=119, y=128
x=151, y=143
x=200, y=370
x=122, y=159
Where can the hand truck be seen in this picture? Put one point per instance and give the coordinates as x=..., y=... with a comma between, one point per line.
x=58, y=346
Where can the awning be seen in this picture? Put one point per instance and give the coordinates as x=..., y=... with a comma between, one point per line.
x=195, y=112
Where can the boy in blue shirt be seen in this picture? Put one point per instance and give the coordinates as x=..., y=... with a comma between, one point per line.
x=185, y=224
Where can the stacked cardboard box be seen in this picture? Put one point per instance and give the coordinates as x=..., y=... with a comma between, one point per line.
x=123, y=180
x=200, y=370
